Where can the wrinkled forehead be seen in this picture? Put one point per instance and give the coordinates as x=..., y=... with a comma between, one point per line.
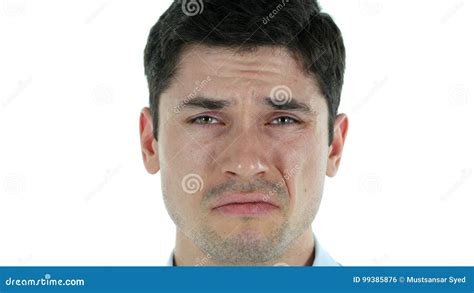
x=241, y=72
x=263, y=60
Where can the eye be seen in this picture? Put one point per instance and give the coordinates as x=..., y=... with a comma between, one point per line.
x=204, y=120
x=284, y=120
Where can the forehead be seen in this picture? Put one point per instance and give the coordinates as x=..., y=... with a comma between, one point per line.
x=223, y=59
x=260, y=62
x=250, y=72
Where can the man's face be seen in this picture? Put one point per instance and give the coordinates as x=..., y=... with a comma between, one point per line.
x=243, y=151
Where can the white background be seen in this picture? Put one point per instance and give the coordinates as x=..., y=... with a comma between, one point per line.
x=73, y=190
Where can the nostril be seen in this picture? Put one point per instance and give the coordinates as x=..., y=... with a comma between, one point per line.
x=231, y=173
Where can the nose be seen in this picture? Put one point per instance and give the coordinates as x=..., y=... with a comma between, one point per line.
x=244, y=158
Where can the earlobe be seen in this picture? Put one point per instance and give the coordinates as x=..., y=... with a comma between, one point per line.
x=149, y=145
x=341, y=126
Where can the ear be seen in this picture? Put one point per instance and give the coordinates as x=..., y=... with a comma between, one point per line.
x=341, y=126
x=148, y=143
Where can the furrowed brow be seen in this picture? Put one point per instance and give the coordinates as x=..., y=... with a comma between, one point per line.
x=291, y=105
x=204, y=102
x=215, y=104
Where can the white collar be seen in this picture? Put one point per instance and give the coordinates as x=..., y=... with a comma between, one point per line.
x=322, y=258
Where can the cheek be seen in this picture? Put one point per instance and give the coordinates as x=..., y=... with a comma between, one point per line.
x=183, y=175
x=289, y=161
x=181, y=153
x=304, y=171
x=311, y=182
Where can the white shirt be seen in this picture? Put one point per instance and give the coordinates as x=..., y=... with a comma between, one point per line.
x=321, y=258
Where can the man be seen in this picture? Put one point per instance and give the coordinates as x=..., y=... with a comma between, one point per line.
x=243, y=125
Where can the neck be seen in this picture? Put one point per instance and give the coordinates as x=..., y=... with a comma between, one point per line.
x=300, y=252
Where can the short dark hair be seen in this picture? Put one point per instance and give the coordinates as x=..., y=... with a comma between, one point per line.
x=298, y=25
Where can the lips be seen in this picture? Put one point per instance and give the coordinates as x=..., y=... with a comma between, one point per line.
x=246, y=204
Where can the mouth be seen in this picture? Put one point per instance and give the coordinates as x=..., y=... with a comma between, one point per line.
x=245, y=204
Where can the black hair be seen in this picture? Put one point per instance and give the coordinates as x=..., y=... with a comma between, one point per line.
x=298, y=25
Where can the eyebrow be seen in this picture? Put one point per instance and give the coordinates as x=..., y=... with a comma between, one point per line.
x=206, y=103
x=215, y=104
x=292, y=104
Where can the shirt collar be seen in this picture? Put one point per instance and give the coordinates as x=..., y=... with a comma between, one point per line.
x=322, y=258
